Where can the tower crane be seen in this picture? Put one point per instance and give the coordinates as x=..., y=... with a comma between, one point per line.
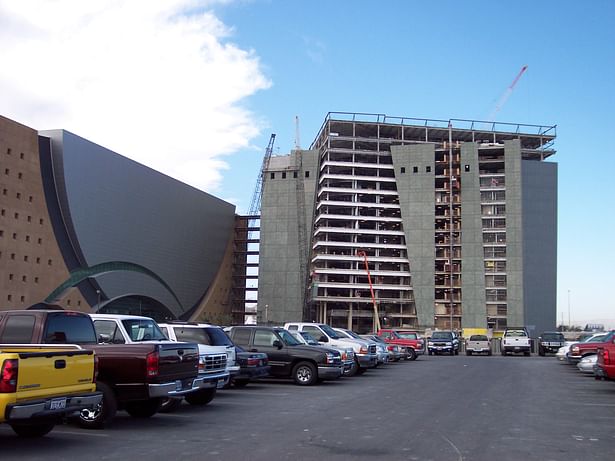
x=506, y=95
x=255, y=203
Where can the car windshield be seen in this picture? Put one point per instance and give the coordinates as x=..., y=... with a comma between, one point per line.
x=343, y=334
x=288, y=338
x=478, y=338
x=442, y=335
x=553, y=337
x=406, y=334
x=352, y=334
x=516, y=333
x=212, y=336
x=143, y=330
x=330, y=332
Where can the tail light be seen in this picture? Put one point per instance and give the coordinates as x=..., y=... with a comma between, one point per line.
x=574, y=350
x=253, y=362
x=152, y=361
x=605, y=356
x=8, y=376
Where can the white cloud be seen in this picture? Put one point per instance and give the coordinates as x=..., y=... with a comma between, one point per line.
x=157, y=81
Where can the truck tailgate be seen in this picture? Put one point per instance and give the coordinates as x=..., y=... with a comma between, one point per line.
x=48, y=373
x=177, y=361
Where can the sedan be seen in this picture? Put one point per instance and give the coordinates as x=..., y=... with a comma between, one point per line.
x=587, y=363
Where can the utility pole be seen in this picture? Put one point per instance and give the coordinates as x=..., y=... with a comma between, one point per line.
x=569, y=323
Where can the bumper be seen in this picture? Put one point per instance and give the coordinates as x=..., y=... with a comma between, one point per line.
x=516, y=349
x=550, y=349
x=182, y=387
x=367, y=361
x=440, y=348
x=234, y=370
x=253, y=373
x=478, y=350
x=330, y=372
x=50, y=407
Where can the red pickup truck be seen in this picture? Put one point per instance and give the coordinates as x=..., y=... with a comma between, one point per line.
x=605, y=367
x=408, y=339
x=580, y=350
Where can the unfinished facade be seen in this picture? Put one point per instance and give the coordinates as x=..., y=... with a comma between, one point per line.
x=456, y=220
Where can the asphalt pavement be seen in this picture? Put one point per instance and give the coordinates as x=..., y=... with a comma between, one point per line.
x=436, y=408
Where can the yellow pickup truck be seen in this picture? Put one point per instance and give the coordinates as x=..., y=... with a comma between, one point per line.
x=40, y=385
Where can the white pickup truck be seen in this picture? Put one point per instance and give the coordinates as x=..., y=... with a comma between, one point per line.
x=516, y=340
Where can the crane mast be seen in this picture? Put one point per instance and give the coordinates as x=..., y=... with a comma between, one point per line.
x=255, y=203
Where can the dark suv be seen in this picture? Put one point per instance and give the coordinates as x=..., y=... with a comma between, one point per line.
x=289, y=358
x=550, y=341
x=443, y=341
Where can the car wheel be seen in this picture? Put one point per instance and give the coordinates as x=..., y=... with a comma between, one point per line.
x=202, y=397
x=468, y=352
x=411, y=354
x=352, y=370
x=430, y=352
x=451, y=352
x=527, y=354
x=240, y=382
x=32, y=430
x=144, y=408
x=456, y=351
x=102, y=413
x=169, y=405
x=489, y=353
x=305, y=374
x=541, y=352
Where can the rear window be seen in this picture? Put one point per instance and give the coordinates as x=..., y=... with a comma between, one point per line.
x=553, y=337
x=478, y=338
x=18, y=329
x=66, y=328
x=212, y=336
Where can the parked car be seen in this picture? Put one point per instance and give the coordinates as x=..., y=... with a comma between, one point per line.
x=562, y=352
x=393, y=350
x=443, y=341
x=605, y=365
x=549, y=342
x=516, y=340
x=580, y=350
x=408, y=339
x=347, y=354
x=381, y=350
x=288, y=358
x=40, y=385
x=252, y=366
x=587, y=363
x=478, y=344
x=364, y=353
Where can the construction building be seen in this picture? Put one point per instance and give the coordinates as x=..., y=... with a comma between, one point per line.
x=455, y=219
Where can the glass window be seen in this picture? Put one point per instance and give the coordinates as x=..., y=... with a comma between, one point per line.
x=264, y=338
x=143, y=330
x=18, y=329
x=110, y=329
x=241, y=336
x=71, y=328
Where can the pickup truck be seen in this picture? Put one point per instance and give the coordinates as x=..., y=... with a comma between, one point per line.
x=443, y=341
x=288, y=358
x=605, y=366
x=478, y=344
x=365, y=354
x=346, y=353
x=408, y=339
x=40, y=385
x=550, y=342
x=132, y=377
x=580, y=350
x=516, y=340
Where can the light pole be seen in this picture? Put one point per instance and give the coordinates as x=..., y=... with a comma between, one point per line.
x=569, y=324
x=98, y=300
x=266, y=313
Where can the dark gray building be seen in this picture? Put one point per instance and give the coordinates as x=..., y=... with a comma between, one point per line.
x=428, y=223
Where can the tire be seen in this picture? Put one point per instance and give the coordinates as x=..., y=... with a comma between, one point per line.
x=411, y=354
x=240, y=383
x=456, y=351
x=32, y=430
x=202, y=397
x=468, y=352
x=305, y=374
x=103, y=413
x=143, y=408
x=452, y=352
x=353, y=370
x=430, y=352
x=169, y=405
x=489, y=353
x=527, y=354
x=541, y=352
x=503, y=353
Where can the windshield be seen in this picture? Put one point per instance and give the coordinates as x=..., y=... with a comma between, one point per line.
x=343, y=334
x=288, y=338
x=478, y=338
x=516, y=333
x=143, y=330
x=406, y=335
x=352, y=334
x=442, y=335
x=330, y=332
x=553, y=337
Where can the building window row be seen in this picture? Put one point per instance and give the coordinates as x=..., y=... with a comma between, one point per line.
x=9, y=151
x=27, y=238
x=26, y=258
x=283, y=174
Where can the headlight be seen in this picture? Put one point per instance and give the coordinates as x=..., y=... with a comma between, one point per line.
x=364, y=350
x=330, y=357
x=449, y=343
x=430, y=343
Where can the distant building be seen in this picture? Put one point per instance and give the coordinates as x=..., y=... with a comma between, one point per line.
x=457, y=221
x=89, y=229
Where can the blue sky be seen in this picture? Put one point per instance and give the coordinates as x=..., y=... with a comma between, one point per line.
x=194, y=88
x=455, y=59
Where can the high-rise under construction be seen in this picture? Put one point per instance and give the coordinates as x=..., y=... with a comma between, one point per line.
x=409, y=222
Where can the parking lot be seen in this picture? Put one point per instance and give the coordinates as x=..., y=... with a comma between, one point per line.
x=436, y=408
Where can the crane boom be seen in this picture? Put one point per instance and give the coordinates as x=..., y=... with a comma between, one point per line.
x=506, y=95
x=255, y=203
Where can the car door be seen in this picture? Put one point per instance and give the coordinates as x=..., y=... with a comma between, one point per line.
x=279, y=360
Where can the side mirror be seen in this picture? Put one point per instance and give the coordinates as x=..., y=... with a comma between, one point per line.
x=102, y=338
x=323, y=339
x=277, y=343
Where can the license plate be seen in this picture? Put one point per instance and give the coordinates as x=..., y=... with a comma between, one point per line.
x=57, y=404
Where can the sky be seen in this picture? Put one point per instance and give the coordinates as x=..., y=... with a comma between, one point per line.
x=195, y=88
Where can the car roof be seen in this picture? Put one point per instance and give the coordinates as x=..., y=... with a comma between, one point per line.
x=119, y=317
